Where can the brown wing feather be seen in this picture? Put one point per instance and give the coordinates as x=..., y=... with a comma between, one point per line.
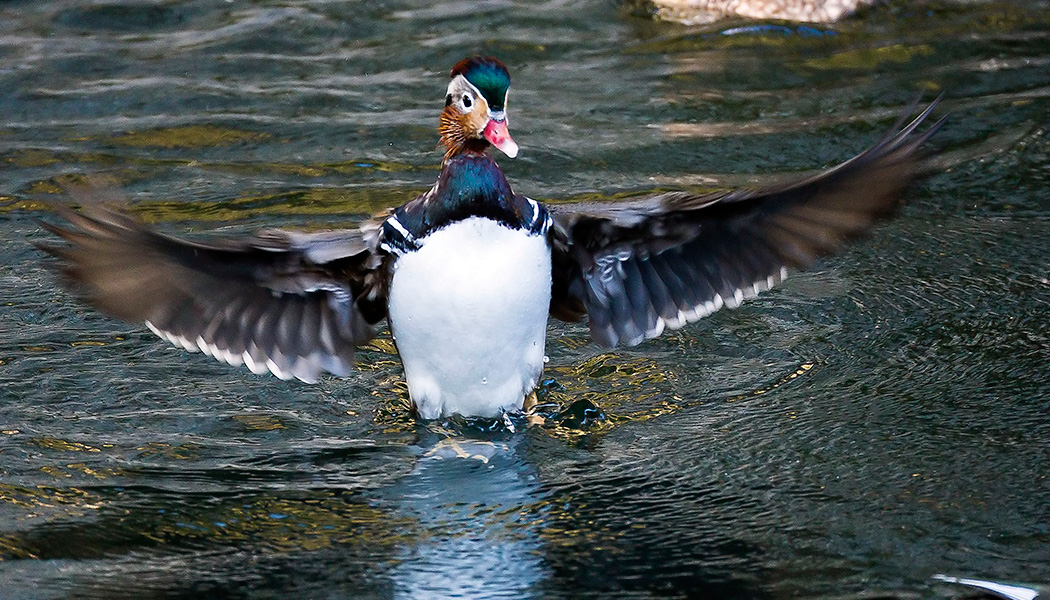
x=295, y=304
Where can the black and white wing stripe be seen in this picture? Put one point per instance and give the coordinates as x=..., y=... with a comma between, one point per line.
x=538, y=220
x=636, y=268
x=294, y=304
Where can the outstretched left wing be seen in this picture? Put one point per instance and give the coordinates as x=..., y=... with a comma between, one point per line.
x=294, y=304
x=636, y=268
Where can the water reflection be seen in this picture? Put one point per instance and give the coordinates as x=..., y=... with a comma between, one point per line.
x=482, y=507
x=459, y=514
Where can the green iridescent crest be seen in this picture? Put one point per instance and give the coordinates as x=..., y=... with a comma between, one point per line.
x=488, y=75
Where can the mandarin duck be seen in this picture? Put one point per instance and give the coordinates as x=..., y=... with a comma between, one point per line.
x=468, y=273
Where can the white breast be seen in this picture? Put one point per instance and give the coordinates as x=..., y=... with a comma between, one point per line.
x=468, y=311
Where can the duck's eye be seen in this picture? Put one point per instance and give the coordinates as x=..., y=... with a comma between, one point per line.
x=467, y=102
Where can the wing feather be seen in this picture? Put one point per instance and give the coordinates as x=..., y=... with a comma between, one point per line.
x=279, y=301
x=638, y=267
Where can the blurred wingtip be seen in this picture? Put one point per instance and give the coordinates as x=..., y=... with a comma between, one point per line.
x=94, y=189
x=84, y=199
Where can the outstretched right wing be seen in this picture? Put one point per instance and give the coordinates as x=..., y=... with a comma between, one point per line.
x=636, y=268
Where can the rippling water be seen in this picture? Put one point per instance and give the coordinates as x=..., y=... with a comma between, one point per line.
x=875, y=421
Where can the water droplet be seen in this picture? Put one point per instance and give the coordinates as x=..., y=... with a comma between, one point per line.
x=546, y=359
x=485, y=381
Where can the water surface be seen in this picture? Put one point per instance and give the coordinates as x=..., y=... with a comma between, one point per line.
x=874, y=421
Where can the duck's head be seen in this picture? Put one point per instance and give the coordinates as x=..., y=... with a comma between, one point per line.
x=475, y=112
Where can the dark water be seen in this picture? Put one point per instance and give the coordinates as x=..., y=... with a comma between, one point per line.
x=871, y=423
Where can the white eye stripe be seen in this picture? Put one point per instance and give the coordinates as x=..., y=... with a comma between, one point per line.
x=464, y=94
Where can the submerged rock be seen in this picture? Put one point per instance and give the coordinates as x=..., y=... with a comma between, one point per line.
x=693, y=12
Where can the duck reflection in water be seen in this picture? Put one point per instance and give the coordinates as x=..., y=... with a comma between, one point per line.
x=482, y=508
